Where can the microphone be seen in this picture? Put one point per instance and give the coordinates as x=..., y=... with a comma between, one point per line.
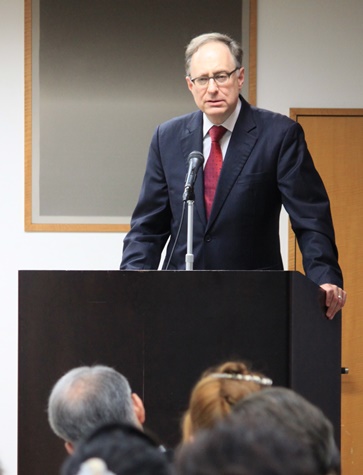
x=196, y=160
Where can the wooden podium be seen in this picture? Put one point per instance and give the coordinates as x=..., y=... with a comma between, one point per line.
x=161, y=329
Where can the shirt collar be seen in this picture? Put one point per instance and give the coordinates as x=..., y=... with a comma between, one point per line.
x=228, y=123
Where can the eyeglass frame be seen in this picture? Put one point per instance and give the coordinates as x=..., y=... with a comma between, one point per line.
x=214, y=78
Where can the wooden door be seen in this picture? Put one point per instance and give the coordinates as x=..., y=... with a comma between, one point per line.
x=335, y=140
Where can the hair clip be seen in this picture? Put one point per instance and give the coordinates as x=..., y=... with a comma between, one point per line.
x=94, y=466
x=244, y=377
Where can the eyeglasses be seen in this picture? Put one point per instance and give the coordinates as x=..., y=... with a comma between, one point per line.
x=219, y=79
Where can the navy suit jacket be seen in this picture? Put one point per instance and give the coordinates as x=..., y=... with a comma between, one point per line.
x=267, y=165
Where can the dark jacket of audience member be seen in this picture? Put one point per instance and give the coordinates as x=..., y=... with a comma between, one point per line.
x=117, y=449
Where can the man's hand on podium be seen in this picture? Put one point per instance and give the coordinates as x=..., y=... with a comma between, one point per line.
x=335, y=299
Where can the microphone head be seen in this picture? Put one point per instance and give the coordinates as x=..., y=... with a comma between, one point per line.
x=197, y=158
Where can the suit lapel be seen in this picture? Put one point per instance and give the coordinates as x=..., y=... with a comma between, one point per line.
x=242, y=142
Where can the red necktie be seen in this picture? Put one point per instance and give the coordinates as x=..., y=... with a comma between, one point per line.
x=213, y=167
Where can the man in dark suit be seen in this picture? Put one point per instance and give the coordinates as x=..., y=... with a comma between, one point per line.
x=266, y=164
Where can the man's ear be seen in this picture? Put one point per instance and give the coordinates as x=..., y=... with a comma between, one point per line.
x=189, y=83
x=69, y=447
x=138, y=408
x=241, y=78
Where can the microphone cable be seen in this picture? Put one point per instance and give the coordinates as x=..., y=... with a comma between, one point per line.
x=177, y=236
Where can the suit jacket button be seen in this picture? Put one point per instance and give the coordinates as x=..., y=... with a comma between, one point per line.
x=208, y=238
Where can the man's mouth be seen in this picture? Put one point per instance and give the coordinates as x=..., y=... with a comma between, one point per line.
x=214, y=102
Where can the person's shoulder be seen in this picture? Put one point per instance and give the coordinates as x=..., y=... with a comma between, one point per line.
x=181, y=121
x=260, y=114
x=266, y=115
x=275, y=123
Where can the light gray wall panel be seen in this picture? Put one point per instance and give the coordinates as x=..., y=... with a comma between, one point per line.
x=109, y=72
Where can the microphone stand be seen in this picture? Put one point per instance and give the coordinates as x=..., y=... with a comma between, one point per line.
x=196, y=160
x=189, y=256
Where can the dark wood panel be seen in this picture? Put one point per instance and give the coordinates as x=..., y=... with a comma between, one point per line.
x=161, y=329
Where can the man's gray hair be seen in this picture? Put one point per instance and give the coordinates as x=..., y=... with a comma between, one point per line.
x=297, y=417
x=86, y=397
x=201, y=40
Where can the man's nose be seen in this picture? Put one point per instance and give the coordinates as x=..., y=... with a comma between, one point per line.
x=212, y=85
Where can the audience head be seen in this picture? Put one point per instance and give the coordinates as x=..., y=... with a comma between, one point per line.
x=232, y=448
x=217, y=391
x=117, y=449
x=295, y=417
x=86, y=397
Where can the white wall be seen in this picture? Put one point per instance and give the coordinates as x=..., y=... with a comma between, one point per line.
x=309, y=55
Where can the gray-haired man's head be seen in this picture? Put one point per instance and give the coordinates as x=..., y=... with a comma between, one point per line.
x=87, y=397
